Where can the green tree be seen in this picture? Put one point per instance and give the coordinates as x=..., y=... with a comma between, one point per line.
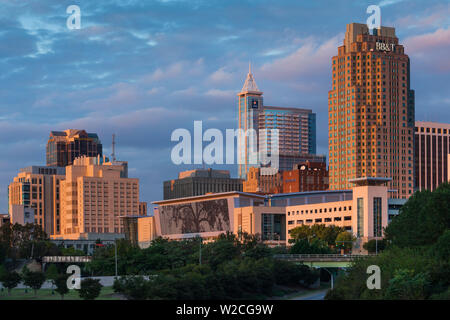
x=61, y=285
x=407, y=286
x=373, y=246
x=132, y=287
x=300, y=233
x=90, y=289
x=442, y=247
x=316, y=246
x=34, y=280
x=52, y=273
x=422, y=220
x=10, y=280
x=344, y=240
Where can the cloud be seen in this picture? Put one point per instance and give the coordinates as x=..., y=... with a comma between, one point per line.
x=221, y=76
x=311, y=58
x=220, y=93
x=430, y=51
x=143, y=68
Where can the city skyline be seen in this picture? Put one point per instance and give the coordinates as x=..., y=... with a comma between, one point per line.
x=85, y=85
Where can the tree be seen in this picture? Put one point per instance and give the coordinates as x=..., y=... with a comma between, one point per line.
x=52, y=273
x=316, y=246
x=407, y=286
x=90, y=289
x=133, y=287
x=422, y=220
x=301, y=232
x=20, y=239
x=34, y=280
x=345, y=240
x=10, y=280
x=442, y=246
x=316, y=231
x=61, y=285
x=373, y=246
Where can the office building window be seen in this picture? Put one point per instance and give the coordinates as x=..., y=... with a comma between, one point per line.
x=377, y=217
x=360, y=217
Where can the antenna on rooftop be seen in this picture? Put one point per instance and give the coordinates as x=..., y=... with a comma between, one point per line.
x=113, y=154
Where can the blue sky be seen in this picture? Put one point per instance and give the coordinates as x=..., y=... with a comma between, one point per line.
x=141, y=69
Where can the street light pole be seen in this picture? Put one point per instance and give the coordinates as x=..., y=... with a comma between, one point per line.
x=115, y=251
x=200, y=255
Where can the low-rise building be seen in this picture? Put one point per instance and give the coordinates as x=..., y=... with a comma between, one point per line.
x=363, y=210
x=200, y=181
x=4, y=218
x=306, y=176
x=263, y=180
x=139, y=230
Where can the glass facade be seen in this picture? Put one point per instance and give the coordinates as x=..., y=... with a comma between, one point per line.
x=273, y=226
x=360, y=217
x=377, y=217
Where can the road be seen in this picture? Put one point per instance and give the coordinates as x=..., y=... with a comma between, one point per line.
x=318, y=295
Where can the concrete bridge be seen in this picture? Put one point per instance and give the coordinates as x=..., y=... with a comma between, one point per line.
x=322, y=260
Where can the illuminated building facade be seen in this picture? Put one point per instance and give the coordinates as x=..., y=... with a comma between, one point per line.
x=371, y=111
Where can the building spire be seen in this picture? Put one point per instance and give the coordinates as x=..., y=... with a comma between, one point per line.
x=250, y=83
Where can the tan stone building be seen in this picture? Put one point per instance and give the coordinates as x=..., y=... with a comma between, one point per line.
x=371, y=111
x=95, y=195
x=38, y=187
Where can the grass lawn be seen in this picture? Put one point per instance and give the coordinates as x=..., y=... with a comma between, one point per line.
x=46, y=294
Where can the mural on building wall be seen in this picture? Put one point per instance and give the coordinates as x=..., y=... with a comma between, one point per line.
x=203, y=216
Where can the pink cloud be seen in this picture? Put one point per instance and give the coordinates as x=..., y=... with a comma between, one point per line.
x=430, y=51
x=312, y=58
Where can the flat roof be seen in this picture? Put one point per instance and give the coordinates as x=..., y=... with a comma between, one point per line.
x=210, y=195
x=305, y=193
x=369, y=180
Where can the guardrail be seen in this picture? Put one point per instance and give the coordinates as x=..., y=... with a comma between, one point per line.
x=321, y=256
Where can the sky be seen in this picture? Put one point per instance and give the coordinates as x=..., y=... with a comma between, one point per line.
x=141, y=69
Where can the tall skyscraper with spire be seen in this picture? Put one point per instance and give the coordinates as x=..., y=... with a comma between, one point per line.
x=297, y=129
x=371, y=111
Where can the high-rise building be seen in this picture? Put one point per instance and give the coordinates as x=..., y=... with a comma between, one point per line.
x=38, y=187
x=432, y=148
x=371, y=111
x=64, y=146
x=297, y=127
x=200, y=181
x=96, y=194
